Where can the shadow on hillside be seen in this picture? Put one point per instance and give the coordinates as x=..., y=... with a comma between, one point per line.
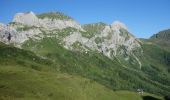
x=167, y=97
x=149, y=98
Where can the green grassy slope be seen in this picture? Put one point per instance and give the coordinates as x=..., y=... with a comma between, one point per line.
x=157, y=65
x=20, y=83
x=54, y=15
x=34, y=78
x=10, y=55
x=157, y=52
x=93, y=29
x=98, y=67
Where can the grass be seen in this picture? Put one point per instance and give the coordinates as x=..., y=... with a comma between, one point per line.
x=25, y=28
x=24, y=76
x=93, y=29
x=54, y=15
x=97, y=67
x=22, y=83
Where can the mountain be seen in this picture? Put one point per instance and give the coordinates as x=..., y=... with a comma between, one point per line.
x=162, y=35
x=162, y=38
x=106, y=54
x=111, y=40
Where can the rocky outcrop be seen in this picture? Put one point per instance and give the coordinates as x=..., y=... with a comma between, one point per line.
x=5, y=31
x=116, y=25
x=27, y=25
x=58, y=24
x=28, y=18
x=31, y=19
x=17, y=37
x=108, y=40
x=111, y=40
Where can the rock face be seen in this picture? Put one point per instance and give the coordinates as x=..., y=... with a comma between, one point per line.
x=28, y=25
x=27, y=19
x=17, y=37
x=111, y=40
x=108, y=40
x=4, y=33
x=58, y=24
x=31, y=19
x=118, y=25
x=114, y=41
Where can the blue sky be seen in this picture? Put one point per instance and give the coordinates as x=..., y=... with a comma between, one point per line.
x=142, y=17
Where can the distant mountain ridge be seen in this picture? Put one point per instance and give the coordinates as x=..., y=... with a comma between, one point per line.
x=162, y=38
x=163, y=35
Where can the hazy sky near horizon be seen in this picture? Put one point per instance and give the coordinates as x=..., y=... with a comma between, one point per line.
x=142, y=17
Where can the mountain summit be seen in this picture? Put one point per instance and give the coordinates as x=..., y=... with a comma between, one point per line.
x=118, y=25
x=28, y=18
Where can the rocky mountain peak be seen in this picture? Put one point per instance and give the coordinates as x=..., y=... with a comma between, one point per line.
x=116, y=25
x=111, y=40
x=28, y=18
x=48, y=21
